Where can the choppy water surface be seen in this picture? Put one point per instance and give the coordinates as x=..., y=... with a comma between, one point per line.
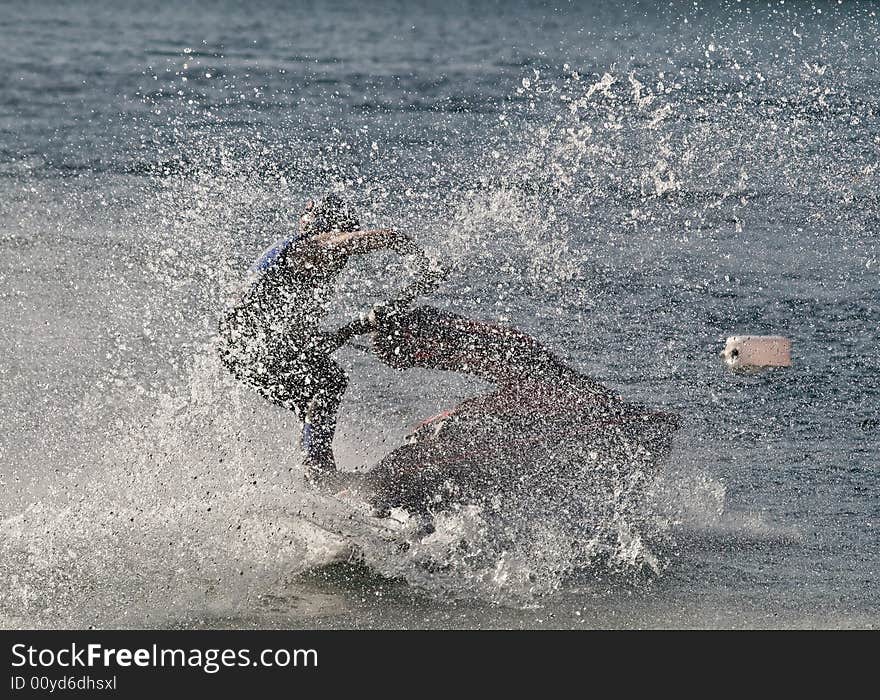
x=631, y=185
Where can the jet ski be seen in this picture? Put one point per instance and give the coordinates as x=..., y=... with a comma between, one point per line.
x=544, y=421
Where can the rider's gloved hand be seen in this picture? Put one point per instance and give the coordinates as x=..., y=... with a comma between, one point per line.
x=384, y=313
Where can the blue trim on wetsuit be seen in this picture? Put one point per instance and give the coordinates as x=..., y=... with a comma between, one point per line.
x=316, y=444
x=270, y=256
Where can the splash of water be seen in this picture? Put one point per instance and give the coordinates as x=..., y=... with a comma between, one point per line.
x=190, y=497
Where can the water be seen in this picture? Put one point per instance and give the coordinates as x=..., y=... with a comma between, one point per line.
x=630, y=184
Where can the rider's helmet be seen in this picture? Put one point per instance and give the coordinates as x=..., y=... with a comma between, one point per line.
x=329, y=213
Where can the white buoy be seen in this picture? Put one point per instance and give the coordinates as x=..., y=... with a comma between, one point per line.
x=754, y=351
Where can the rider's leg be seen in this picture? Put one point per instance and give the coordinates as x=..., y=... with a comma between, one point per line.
x=311, y=387
x=319, y=417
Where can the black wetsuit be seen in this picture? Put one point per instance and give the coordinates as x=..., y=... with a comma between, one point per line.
x=271, y=338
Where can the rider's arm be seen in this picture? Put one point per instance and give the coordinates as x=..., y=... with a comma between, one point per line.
x=361, y=242
x=428, y=274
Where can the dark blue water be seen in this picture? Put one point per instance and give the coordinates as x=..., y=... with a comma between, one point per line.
x=631, y=184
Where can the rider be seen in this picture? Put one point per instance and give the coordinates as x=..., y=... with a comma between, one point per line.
x=270, y=331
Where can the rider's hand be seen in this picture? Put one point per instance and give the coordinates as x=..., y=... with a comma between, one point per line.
x=402, y=243
x=383, y=313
